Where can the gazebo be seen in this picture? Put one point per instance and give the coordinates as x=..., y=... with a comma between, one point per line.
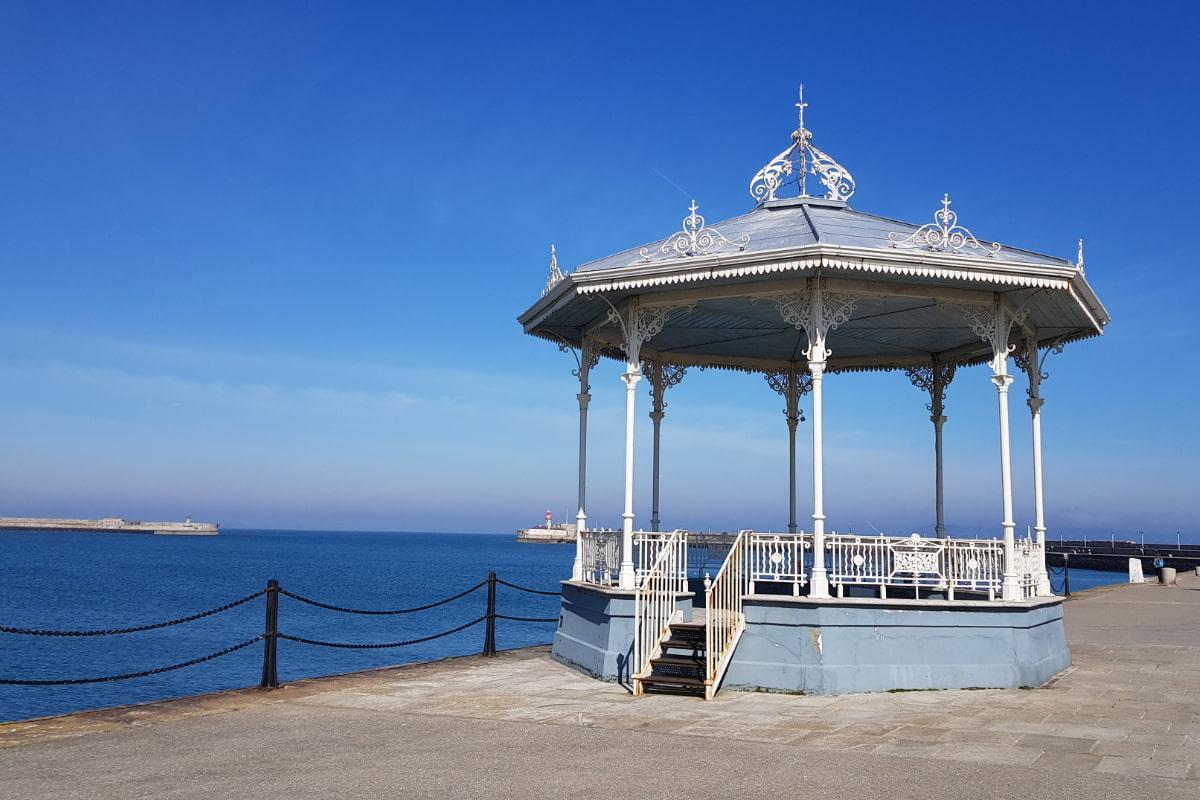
x=801, y=287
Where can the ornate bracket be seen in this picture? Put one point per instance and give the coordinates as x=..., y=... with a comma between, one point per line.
x=556, y=274
x=792, y=385
x=642, y=324
x=1029, y=362
x=836, y=179
x=694, y=240
x=944, y=235
x=663, y=375
x=816, y=312
x=933, y=378
x=993, y=324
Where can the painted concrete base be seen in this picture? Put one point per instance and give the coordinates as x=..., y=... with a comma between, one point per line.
x=842, y=645
x=867, y=645
x=595, y=635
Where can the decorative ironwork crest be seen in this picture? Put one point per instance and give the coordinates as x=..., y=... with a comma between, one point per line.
x=645, y=322
x=694, y=240
x=944, y=235
x=781, y=382
x=803, y=158
x=556, y=274
x=933, y=378
x=663, y=375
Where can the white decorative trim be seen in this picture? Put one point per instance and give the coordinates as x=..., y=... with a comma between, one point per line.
x=643, y=324
x=836, y=179
x=944, y=235
x=850, y=264
x=993, y=324
x=556, y=274
x=695, y=239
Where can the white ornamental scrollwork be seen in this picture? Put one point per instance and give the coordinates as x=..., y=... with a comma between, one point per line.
x=796, y=309
x=944, y=235
x=802, y=158
x=816, y=313
x=556, y=274
x=916, y=556
x=993, y=324
x=694, y=240
x=645, y=322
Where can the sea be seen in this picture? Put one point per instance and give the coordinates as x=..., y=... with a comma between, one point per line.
x=80, y=581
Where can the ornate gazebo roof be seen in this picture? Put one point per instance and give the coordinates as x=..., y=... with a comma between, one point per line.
x=725, y=289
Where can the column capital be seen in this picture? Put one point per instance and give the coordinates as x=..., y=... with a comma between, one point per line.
x=1035, y=404
x=938, y=419
x=657, y=416
x=817, y=368
x=584, y=398
x=1002, y=382
x=631, y=378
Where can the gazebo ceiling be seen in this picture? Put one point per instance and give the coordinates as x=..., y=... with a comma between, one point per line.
x=727, y=284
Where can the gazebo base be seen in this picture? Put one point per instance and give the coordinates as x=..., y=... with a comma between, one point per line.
x=841, y=645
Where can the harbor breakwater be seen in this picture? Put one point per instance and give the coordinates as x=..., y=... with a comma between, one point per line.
x=110, y=525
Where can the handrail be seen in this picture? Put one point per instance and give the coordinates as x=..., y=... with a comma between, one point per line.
x=724, y=620
x=654, y=608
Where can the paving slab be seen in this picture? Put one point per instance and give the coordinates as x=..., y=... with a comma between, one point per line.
x=1124, y=721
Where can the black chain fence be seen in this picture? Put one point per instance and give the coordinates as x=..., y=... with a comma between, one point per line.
x=272, y=634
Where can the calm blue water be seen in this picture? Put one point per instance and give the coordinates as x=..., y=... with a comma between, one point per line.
x=82, y=580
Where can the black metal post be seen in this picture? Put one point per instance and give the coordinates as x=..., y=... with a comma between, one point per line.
x=1066, y=574
x=489, y=637
x=270, y=676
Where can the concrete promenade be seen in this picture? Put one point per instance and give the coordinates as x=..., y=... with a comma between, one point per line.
x=1123, y=721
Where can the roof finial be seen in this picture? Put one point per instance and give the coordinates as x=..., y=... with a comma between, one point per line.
x=809, y=160
x=1079, y=258
x=801, y=135
x=556, y=274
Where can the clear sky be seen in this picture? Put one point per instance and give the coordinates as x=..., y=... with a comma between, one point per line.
x=261, y=262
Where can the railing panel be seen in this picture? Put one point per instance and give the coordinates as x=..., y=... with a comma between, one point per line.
x=916, y=563
x=648, y=545
x=654, y=606
x=777, y=558
x=601, y=556
x=724, y=620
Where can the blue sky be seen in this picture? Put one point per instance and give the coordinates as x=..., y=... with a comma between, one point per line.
x=261, y=262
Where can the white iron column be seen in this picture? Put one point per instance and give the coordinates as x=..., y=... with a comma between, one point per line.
x=1034, y=370
x=584, y=397
x=817, y=312
x=639, y=324
x=819, y=587
x=630, y=378
x=1000, y=377
x=993, y=323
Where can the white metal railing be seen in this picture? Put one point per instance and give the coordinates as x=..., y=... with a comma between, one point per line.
x=723, y=617
x=915, y=562
x=648, y=545
x=601, y=556
x=654, y=607
x=778, y=558
x=1027, y=564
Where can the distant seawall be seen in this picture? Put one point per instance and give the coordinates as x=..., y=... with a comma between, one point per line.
x=110, y=525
